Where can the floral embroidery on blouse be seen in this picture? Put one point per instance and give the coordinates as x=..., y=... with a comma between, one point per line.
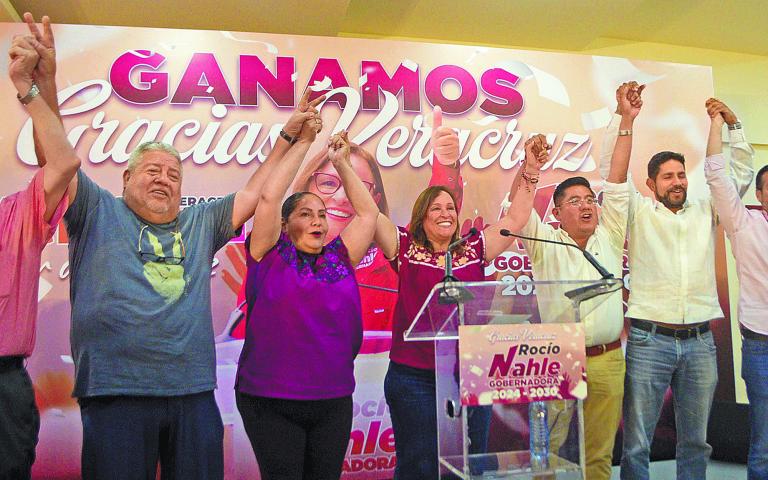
x=332, y=263
x=424, y=255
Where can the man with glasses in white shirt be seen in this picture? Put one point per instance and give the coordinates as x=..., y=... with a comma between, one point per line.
x=747, y=230
x=673, y=297
x=603, y=236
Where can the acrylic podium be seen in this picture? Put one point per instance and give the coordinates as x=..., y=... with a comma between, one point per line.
x=510, y=362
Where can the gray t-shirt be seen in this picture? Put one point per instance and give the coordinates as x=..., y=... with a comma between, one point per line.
x=140, y=325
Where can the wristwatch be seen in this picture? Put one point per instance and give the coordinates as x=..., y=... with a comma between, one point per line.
x=735, y=126
x=33, y=92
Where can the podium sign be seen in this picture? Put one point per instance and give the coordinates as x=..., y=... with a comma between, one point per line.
x=497, y=350
x=521, y=363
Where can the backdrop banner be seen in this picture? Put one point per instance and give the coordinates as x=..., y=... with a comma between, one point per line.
x=221, y=98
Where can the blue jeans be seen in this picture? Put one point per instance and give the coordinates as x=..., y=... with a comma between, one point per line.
x=754, y=371
x=410, y=394
x=654, y=363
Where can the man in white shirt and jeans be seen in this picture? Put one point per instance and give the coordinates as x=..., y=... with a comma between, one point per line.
x=748, y=232
x=673, y=297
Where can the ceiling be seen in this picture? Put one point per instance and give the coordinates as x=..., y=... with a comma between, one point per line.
x=547, y=24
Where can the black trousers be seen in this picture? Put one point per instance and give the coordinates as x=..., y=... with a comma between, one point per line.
x=19, y=420
x=297, y=439
x=124, y=437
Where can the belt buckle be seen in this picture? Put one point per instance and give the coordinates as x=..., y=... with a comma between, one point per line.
x=602, y=349
x=686, y=333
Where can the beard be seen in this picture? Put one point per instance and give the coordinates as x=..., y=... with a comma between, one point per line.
x=667, y=200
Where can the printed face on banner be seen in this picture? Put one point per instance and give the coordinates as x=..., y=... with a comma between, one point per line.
x=326, y=184
x=521, y=363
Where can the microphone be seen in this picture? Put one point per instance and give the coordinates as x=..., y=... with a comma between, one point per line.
x=607, y=283
x=605, y=274
x=449, y=256
x=454, y=295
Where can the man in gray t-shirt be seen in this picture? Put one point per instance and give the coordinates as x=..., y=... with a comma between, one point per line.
x=142, y=335
x=141, y=318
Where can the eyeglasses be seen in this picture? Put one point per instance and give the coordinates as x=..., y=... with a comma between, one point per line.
x=578, y=202
x=329, y=183
x=154, y=257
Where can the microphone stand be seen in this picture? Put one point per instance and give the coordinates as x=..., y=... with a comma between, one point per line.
x=454, y=294
x=607, y=284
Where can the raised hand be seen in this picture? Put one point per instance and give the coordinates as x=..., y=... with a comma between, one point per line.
x=628, y=99
x=311, y=126
x=338, y=149
x=46, y=67
x=445, y=141
x=305, y=110
x=719, y=112
x=23, y=60
x=536, y=152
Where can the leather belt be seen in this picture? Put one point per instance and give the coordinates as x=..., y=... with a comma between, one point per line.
x=680, y=334
x=596, y=350
x=747, y=333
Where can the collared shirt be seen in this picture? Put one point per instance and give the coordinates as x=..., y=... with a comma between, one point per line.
x=558, y=262
x=748, y=232
x=672, y=255
x=23, y=235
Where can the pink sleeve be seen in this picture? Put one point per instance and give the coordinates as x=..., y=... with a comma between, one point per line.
x=449, y=177
x=31, y=204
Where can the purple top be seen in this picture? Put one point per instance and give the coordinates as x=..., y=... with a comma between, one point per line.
x=419, y=270
x=304, y=325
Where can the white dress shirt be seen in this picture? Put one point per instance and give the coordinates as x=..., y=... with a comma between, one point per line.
x=672, y=254
x=558, y=262
x=748, y=232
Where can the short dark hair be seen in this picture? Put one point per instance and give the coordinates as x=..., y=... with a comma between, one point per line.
x=759, y=177
x=654, y=164
x=290, y=203
x=568, y=183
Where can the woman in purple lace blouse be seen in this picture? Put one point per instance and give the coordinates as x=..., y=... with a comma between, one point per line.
x=296, y=375
x=418, y=253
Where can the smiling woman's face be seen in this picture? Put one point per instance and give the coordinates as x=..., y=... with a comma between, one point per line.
x=441, y=220
x=338, y=207
x=307, y=225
